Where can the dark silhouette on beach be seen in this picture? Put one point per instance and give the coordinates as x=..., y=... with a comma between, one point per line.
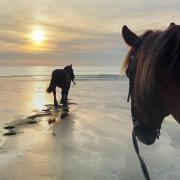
x=61, y=78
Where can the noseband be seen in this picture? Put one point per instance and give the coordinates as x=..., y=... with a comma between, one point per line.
x=137, y=125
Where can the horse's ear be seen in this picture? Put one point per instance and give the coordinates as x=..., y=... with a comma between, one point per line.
x=129, y=37
x=171, y=25
x=71, y=65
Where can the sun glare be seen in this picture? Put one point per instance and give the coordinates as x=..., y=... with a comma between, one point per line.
x=38, y=35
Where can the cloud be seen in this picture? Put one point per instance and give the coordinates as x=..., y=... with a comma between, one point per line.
x=82, y=31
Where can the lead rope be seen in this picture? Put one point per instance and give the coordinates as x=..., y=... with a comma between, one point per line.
x=143, y=165
x=131, y=74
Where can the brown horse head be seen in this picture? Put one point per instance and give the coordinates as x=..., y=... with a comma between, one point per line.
x=153, y=68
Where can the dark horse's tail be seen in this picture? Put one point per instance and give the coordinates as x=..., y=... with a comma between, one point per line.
x=51, y=86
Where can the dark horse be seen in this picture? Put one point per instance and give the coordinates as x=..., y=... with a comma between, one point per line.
x=61, y=78
x=153, y=68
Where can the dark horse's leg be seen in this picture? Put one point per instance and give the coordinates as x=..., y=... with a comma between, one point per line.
x=64, y=95
x=55, y=100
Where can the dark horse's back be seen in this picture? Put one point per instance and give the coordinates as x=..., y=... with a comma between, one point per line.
x=60, y=78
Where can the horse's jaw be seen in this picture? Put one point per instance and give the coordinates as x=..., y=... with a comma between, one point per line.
x=171, y=97
x=174, y=110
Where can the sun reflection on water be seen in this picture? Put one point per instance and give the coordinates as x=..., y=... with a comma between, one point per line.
x=39, y=96
x=38, y=100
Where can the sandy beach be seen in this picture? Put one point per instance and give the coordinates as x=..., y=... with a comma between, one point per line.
x=92, y=142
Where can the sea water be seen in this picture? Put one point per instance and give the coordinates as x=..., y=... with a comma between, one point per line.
x=101, y=94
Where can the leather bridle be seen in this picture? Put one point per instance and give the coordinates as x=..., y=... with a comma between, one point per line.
x=131, y=70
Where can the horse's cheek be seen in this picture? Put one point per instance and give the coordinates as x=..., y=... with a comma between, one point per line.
x=171, y=98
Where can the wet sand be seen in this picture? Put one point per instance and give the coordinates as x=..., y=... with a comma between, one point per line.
x=92, y=142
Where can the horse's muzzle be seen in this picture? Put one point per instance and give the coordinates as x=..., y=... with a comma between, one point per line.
x=145, y=136
x=148, y=140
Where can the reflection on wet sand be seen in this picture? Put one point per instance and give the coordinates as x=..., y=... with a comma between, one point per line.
x=38, y=96
x=64, y=127
x=53, y=114
x=92, y=142
x=38, y=100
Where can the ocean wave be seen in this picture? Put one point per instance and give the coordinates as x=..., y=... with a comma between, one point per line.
x=78, y=77
x=98, y=77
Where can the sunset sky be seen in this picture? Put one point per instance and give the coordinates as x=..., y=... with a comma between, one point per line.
x=82, y=32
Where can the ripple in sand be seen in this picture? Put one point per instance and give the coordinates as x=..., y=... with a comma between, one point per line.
x=10, y=133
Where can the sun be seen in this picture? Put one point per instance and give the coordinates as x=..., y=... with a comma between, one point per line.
x=38, y=35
